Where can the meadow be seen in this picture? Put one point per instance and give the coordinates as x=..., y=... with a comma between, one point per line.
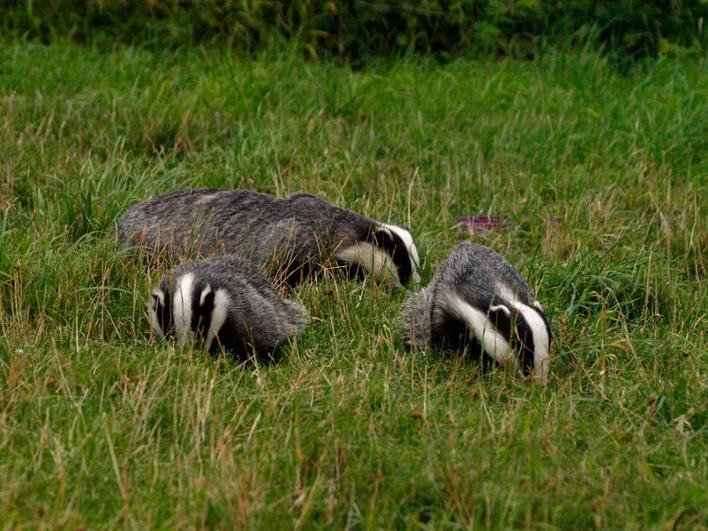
x=601, y=173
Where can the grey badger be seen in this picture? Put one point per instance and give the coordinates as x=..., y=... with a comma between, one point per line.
x=477, y=300
x=227, y=303
x=290, y=237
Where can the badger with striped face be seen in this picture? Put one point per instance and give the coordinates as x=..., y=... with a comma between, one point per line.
x=477, y=301
x=290, y=238
x=226, y=304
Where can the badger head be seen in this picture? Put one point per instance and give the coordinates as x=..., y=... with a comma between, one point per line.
x=527, y=328
x=170, y=309
x=505, y=328
x=191, y=306
x=388, y=251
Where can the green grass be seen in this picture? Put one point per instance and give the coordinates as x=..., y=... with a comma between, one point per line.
x=604, y=177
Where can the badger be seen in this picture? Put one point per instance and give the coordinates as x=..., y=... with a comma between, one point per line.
x=227, y=304
x=292, y=237
x=477, y=301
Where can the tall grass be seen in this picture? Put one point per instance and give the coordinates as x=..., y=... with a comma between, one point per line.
x=602, y=175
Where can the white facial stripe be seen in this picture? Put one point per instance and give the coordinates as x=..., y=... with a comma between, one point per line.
x=182, y=307
x=541, y=340
x=204, y=294
x=152, y=313
x=492, y=341
x=374, y=261
x=218, y=315
x=410, y=246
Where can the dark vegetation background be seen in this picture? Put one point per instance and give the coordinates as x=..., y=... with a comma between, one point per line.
x=357, y=29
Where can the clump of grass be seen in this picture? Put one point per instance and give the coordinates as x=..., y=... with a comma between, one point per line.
x=602, y=177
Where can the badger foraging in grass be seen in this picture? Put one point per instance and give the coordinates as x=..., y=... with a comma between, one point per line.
x=290, y=237
x=478, y=301
x=227, y=304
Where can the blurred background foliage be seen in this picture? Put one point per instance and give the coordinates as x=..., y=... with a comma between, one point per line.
x=355, y=29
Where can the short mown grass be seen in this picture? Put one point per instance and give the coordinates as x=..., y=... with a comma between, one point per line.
x=603, y=176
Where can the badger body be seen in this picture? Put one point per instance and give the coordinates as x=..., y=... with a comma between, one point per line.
x=227, y=304
x=290, y=237
x=478, y=301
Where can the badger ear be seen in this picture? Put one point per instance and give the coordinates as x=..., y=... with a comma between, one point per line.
x=383, y=237
x=158, y=297
x=500, y=308
x=206, y=297
x=500, y=316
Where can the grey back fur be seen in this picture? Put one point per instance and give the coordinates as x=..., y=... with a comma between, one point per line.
x=290, y=236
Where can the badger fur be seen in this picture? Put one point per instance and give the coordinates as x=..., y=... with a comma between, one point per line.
x=226, y=303
x=477, y=300
x=291, y=237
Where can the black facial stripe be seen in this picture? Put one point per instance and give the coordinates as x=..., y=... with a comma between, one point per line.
x=502, y=322
x=201, y=313
x=524, y=341
x=516, y=330
x=164, y=314
x=393, y=245
x=402, y=260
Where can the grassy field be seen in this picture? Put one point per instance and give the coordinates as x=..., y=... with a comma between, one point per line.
x=603, y=176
